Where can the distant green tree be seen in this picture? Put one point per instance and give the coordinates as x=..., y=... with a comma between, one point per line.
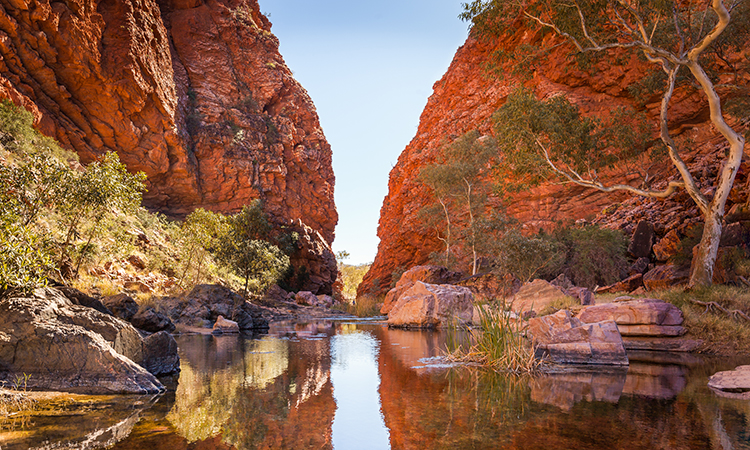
x=694, y=37
x=459, y=181
x=245, y=248
x=199, y=235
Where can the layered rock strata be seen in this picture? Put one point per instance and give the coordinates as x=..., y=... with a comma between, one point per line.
x=193, y=93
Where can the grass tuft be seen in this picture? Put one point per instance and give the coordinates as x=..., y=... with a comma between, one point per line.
x=498, y=344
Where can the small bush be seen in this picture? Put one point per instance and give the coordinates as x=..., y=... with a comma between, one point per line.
x=593, y=256
x=526, y=257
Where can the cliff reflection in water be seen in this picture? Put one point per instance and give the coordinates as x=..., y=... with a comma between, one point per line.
x=252, y=394
x=358, y=385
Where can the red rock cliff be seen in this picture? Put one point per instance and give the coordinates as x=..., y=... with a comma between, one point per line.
x=465, y=99
x=193, y=93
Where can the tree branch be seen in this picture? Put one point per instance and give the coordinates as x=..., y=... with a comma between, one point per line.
x=671, y=188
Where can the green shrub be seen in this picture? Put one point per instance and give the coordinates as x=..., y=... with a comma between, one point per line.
x=526, y=257
x=593, y=255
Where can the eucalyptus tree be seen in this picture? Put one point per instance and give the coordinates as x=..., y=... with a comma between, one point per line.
x=688, y=41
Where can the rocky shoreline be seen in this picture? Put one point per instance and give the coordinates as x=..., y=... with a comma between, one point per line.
x=60, y=339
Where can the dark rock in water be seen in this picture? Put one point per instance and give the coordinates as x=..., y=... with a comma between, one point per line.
x=79, y=298
x=160, y=354
x=642, y=240
x=148, y=319
x=121, y=305
x=67, y=347
x=206, y=302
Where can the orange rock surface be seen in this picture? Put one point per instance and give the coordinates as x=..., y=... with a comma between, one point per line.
x=465, y=99
x=193, y=93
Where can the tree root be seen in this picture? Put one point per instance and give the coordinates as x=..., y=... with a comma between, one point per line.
x=713, y=305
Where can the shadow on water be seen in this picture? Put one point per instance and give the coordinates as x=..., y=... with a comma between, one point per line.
x=338, y=384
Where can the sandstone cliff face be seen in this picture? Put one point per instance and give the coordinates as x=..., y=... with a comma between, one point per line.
x=465, y=99
x=193, y=93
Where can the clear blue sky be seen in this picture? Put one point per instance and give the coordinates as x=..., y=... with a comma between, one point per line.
x=369, y=66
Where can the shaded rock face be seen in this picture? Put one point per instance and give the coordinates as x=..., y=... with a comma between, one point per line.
x=431, y=305
x=205, y=303
x=67, y=347
x=465, y=99
x=195, y=94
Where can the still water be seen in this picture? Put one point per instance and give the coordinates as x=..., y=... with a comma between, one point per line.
x=359, y=385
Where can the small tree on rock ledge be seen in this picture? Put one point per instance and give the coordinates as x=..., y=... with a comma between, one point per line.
x=673, y=35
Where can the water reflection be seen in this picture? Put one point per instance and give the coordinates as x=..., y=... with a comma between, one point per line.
x=358, y=422
x=339, y=385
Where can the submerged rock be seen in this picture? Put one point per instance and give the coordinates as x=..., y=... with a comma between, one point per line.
x=427, y=305
x=67, y=347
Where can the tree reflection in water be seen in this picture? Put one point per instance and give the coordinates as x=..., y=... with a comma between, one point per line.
x=355, y=385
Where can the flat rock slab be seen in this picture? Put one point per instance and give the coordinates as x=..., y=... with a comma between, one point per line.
x=732, y=383
x=652, y=330
x=660, y=344
x=565, y=340
x=634, y=312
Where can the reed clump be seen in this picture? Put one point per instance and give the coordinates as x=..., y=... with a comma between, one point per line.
x=14, y=402
x=497, y=343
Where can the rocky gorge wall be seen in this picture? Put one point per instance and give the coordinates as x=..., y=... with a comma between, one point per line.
x=466, y=98
x=193, y=93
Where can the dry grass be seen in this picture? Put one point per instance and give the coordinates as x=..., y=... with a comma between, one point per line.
x=722, y=333
x=499, y=344
x=364, y=306
x=14, y=402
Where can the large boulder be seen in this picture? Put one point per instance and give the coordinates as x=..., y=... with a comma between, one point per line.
x=642, y=317
x=427, y=305
x=425, y=274
x=564, y=339
x=152, y=321
x=538, y=295
x=668, y=246
x=663, y=277
x=160, y=354
x=206, y=302
x=647, y=311
x=642, y=239
x=67, y=347
x=122, y=306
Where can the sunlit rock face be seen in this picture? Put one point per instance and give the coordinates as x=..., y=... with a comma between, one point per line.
x=195, y=94
x=466, y=98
